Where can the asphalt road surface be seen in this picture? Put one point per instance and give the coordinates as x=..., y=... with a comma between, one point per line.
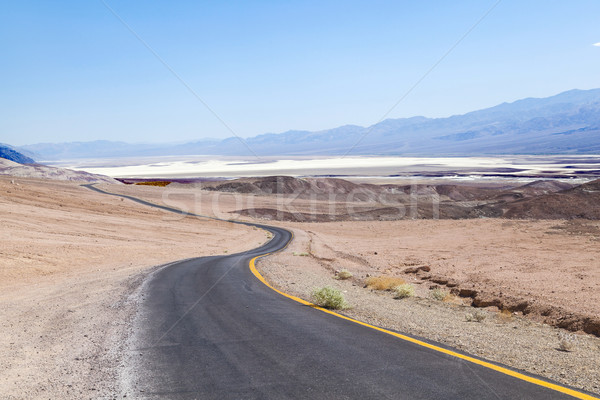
x=207, y=328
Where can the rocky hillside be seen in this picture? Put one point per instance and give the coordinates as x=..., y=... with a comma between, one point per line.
x=304, y=188
x=8, y=153
x=536, y=200
x=12, y=168
x=579, y=202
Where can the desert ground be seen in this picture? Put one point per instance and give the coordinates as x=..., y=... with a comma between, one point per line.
x=529, y=277
x=73, y=261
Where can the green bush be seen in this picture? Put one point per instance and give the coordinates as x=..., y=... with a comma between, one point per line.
x=329, y=297
x=403, y=291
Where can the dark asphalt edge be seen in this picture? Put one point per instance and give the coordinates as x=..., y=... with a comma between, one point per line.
x=585, y=395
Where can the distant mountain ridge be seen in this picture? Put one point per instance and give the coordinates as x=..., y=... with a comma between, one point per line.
x=567, y=123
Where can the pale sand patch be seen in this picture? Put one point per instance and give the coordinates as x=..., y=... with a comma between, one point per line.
x=70, y=258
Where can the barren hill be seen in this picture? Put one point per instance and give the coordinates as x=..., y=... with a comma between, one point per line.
x=11, y=168
x=579, y=202
x=536, y=200
x=317, y=188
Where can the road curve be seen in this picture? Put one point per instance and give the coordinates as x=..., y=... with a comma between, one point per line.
x=207, y=328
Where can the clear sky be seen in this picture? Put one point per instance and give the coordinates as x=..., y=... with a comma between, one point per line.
x=71, y=71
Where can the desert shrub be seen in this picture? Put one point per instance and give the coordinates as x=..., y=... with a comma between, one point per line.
x=566, y=341
x=476, y=316
x=300, y=254
x=344, y=274
x=383, y=282
x=451, y=298
x=438, y=294
x=505, y=315
x=403, y=291
x=329, y=297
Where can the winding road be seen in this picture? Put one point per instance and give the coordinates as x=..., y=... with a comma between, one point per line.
x=210, y=328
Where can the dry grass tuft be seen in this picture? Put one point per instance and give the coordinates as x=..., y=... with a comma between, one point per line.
x=438, y=294
x=505, y=316
x=476, y=316
x=384, y=282
x=451, y=298
x=344, y=274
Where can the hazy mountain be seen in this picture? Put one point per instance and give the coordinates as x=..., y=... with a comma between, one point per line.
x=568, y=123
x=8, y=153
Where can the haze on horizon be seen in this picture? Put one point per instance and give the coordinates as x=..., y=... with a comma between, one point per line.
x=74, y=72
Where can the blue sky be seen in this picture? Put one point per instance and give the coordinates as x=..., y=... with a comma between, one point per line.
x=71, y=71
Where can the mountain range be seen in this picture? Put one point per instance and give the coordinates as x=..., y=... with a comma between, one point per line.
x=567, y=123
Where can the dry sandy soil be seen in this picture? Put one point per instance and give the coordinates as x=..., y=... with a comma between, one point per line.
x=72, y=259
x=70, y=262
x=546, y=269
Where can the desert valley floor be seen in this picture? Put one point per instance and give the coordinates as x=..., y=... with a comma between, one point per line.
x=73, y=260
